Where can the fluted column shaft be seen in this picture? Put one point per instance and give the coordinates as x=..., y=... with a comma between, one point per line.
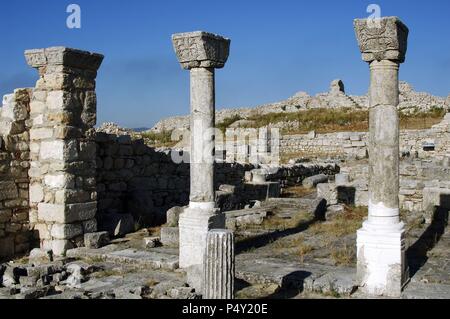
x=219, y=269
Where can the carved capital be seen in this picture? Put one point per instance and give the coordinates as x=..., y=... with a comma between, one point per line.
x=63, y=56
x=382, y=39
x=201, y=50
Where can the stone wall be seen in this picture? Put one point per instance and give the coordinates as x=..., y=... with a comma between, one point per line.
x=62, y=150
x=15, y=234
x=354, y=144
x=419, y=179
x=133, y=178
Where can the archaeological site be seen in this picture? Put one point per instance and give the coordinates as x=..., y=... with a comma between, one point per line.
x=317, y=196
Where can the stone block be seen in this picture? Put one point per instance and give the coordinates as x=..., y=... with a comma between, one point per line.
x=328, y=192
x=59, y=181
x=66, y=231
x=8, y=190
x=173, y=216
x=54, y=56
x=60, y=246
x=64, y=214
x=151, y=242
x=96, y=240
x=36, y=193
x=170, y=236
x=52, y=150
x=41, y=255
x=41, y=133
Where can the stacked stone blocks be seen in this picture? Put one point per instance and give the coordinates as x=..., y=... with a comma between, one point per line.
x=63, y=149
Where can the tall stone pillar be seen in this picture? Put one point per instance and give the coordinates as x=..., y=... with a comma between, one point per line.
x=63, y=196
x=201, y=53
x=381, y=266
x=219, y=265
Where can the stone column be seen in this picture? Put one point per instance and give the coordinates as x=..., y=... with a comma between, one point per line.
x=201, y=53
x=381, y=266
x=63, y=198
x=219, y=265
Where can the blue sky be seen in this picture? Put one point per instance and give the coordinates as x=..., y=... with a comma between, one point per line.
x=278, y=48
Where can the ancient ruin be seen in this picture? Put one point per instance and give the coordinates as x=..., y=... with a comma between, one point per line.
x=381, y=243
x=270, y=202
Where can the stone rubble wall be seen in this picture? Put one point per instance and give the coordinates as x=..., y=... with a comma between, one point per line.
x=416, y=178
x=133, y=178
x=15, y=233
x=63, y=198
x=353, y=145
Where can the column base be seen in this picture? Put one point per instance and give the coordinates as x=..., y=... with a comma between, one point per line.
x=381, y=265
x=194, y=224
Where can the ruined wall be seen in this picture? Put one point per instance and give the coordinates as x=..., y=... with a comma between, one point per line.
x=418, y=179
x=354, y=144
x=62, y=150
x=15, y=234
x=133, y=178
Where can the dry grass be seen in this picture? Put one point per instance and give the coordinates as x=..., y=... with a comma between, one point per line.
x=304, y=250
x=278, y=223
x=297, y=242
x=297, y=191
x=162, y=139
x=155, y=231
x=337, y=120
x=343, y=224
x=345, y=256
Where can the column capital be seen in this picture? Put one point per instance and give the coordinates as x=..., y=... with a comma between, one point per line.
x=382, y=39
x=62, y=56
x=201, y=49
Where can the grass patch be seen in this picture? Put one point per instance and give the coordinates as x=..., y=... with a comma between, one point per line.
x=345, y=256
x=297, y=191
x=161, y=139
x=336, y=120
x=304, y=250
x=343, y=224
x=227, y=122
x=278, y=223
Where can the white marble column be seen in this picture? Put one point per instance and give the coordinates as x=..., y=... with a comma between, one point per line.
x=381, y=266
x=201, y=53
x=219, y=269
x=202, y=142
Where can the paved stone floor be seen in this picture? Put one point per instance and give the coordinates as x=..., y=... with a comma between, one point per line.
x=294, y=253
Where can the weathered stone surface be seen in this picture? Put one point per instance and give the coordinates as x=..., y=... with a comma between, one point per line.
x=219, y=265
x=382, y=39
x=64, y=214
x=311, y=182
x=38, y=58
x=151, y=242
x=170, y=236
x=201, y=49
x=41, y=255
x=96, y=240
x=152, y=259
x=381, y=269
x=173, y=216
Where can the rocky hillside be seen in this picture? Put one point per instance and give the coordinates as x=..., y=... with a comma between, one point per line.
x=410, y=102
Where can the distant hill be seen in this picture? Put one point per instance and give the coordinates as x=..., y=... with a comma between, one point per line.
x=410, y=102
